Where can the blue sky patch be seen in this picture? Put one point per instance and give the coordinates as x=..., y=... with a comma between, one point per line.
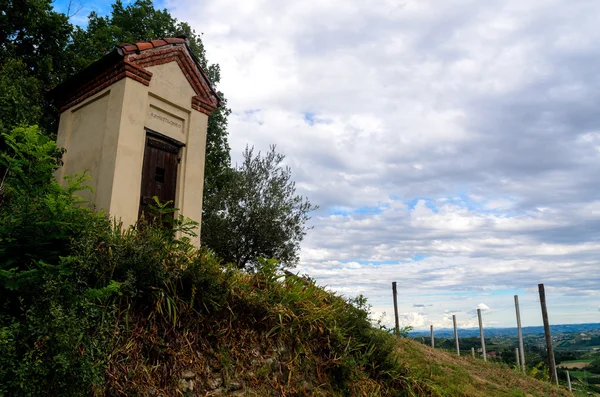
x=250, y=115
x=366, y=210
x=429, y=203
x=369, y=262
x=311, y=119
x=101, y=7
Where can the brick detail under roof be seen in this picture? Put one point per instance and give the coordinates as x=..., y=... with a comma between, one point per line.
x=104, y=80
x=137, y=57
x=204, y=101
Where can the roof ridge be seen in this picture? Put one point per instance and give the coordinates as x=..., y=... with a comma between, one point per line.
x=129, y=48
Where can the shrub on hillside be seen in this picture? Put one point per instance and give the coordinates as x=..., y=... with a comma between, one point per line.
x=66, y=273
x=45, y=346
x=329, y=331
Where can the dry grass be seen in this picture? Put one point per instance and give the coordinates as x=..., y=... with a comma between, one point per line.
x=273, y=335
x=448, y=375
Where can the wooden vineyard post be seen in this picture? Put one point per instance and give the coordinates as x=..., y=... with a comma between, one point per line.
x=395, y=293
x=520, y=331
x=456, y=335
x=551, y=361
x=517, y=357
x=481, y=335
x=432, y=337
x=473, y=352
x=569, y=382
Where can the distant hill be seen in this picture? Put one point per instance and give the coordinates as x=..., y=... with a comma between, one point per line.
x=504, y=332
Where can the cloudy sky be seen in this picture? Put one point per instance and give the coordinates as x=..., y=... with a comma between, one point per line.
x=453, y=146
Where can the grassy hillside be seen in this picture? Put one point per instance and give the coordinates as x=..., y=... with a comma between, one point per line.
x=444, y=374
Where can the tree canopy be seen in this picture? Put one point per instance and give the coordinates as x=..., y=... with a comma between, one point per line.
x=33, y=59
x=257, y=213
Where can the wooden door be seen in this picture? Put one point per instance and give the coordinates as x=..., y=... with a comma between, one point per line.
x=159, y=173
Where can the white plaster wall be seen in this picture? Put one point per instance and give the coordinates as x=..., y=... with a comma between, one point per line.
x=105, y=134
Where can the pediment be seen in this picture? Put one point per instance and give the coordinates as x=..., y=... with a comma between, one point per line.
x=132, y=61
x=205, y=99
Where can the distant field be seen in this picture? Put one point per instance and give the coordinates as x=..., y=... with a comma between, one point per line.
x=575, y=364
x=582, y=375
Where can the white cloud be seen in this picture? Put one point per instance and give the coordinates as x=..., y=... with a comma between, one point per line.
x=414, y=319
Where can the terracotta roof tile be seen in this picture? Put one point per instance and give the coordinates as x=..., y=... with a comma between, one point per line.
x=129, y=48
x=174, y=40
x=144, y=45
x=158, y=43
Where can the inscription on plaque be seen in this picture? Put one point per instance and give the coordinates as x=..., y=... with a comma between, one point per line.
x=164, y=119
x=164, y=122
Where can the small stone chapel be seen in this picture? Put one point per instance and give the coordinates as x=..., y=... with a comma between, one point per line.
x=136, y=121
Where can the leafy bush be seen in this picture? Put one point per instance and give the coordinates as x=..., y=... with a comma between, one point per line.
x=48, y=336
x=66, y=273
x=39, y=217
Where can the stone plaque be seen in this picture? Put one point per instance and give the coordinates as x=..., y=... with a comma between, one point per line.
x=165, y=123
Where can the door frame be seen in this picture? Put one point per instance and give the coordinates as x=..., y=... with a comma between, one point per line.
x=157, y=136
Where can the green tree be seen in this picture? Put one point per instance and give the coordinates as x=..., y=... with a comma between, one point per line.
x=257, y=213
x=31, y=31
x=21, y=99
x=33, y=39
x=135, y=22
